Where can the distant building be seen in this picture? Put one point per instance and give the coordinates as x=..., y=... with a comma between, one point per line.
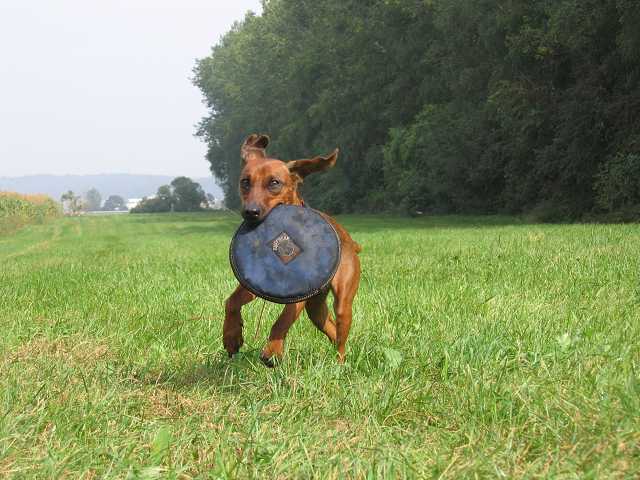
x=213, y=203
x=133, y=202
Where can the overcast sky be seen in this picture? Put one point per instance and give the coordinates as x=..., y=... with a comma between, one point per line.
x=102, y=86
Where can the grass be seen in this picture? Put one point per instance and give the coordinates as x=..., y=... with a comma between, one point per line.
x=481, y=347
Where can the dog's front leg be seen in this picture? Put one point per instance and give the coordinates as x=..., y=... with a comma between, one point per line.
x=275, y=345
x=232, y=328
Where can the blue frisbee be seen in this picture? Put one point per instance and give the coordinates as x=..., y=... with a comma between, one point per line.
x=290, y=256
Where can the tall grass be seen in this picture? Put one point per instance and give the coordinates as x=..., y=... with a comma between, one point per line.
x=17, y=210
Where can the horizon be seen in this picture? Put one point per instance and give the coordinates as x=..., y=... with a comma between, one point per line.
x=123, y=184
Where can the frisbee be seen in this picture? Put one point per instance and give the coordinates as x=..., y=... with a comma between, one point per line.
x=289, y=257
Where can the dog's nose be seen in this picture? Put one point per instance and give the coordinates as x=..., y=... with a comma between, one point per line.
x=251, y=213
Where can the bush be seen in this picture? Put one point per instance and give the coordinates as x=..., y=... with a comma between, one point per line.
x=152, y=205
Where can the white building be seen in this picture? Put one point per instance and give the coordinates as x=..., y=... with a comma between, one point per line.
x=133, y=202
x=214, y=203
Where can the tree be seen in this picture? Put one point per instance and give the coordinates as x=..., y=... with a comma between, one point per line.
x=162, y=202
x=114, y=203
x=183, y=195
x=71, y=203
x=93, y=200
x=164, y=192
x=187, y=195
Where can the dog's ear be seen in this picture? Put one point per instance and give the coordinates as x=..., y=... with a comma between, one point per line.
x=302, y=168
x=254, y=147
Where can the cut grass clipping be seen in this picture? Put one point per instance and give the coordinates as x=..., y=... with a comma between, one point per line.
x=480, y=347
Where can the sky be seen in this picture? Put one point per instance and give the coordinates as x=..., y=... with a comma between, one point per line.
x=103, y=86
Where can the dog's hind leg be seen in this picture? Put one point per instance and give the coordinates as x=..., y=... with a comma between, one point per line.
x=344, y=287
x=232, y=328
x=319, y=314
x=275, y=345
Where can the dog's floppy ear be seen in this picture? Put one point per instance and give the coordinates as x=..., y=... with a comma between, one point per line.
x=253, y=147
x=302, y=168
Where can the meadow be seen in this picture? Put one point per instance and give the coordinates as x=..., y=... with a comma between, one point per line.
x=481, y=347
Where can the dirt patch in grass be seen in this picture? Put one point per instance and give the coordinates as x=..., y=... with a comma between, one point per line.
x=7, y=466
x=169, y=404
x=74, y=350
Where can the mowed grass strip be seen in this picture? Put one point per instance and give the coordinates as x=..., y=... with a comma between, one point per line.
x=481, y=346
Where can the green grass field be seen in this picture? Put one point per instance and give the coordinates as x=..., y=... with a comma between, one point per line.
x=481, y=347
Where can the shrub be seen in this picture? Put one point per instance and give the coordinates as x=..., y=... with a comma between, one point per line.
x=152, y=205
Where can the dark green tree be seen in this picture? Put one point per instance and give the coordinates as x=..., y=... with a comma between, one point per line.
x=114, y=203
x=187, y=195
x=93, y=200
x=183, y=195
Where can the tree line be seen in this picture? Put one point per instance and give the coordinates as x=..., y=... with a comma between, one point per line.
x=181, y=195
x=437, y=105
x=91, y=202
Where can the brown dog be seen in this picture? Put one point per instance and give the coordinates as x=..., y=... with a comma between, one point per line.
x=264, y=183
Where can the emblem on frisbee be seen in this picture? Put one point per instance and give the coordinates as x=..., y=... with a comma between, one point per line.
x=290, y=256
x=285, y=248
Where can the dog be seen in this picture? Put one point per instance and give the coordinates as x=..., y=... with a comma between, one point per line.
x=265, y=183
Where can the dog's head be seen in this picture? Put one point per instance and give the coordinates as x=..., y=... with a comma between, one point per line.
x=267, y=182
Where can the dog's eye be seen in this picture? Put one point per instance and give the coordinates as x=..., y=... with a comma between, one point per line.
x=245, y=184
x=274, y=183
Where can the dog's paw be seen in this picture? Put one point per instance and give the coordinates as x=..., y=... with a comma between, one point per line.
x=267, y=360
x=272, y=353
x=232, y=345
